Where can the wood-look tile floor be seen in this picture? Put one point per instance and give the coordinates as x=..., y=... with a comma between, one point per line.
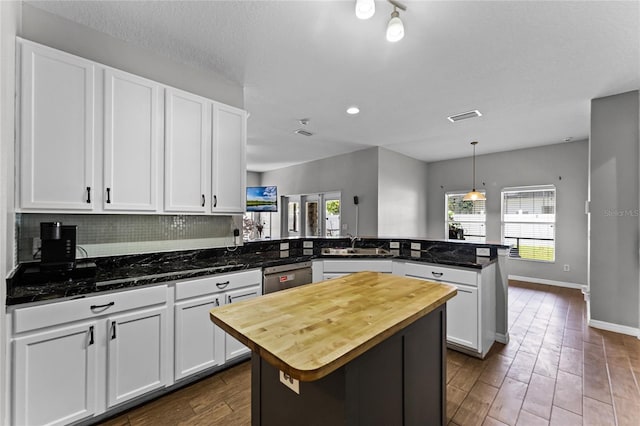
x=555, y=371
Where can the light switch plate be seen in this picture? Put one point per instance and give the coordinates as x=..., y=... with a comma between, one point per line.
x=415, y=253
x=394, y=245
x=284, y=246
x=284, y=253
x=307, y=244
x=416, y=246
x=290, y=382
x=307, y=252
x=480, y=251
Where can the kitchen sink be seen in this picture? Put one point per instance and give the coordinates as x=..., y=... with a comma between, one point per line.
x=357, y=251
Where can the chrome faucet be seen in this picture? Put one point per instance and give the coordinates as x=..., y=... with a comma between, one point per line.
x=353, y=239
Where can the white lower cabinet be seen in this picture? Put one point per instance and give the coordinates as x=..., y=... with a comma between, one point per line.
x=137, y=354
x=55, y=375
x=76, y=358
x=199, y=344
x=234, y=348
x=471, y=314
x=462, y=317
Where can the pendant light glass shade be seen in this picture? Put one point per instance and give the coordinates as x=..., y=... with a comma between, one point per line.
x=365, y=8
x=395, y=28
x=474, y=195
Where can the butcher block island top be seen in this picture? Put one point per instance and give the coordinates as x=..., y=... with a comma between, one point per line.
x=310, y=331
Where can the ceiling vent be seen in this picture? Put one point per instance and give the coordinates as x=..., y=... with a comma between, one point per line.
x=464, y=116
x=303, y=132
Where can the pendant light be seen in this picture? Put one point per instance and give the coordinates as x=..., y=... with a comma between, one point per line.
x=395, y=27
x=365, y=8
x=474, y=195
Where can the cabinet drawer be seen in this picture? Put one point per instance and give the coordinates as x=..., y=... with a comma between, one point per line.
x=32, y=318
x=348, y=266
x=217, y=283
x=439, y=273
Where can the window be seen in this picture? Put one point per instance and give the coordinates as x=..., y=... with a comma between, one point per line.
x=465, y=219
x=529, y=222
x=311, y=215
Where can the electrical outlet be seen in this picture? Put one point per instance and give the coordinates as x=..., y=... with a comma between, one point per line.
x=416, y=246
x=566, y=267
x=345, y=226
x=483, y=251
x=307, y=244
x=284, y=246
x=290, y=382
x=394, y=245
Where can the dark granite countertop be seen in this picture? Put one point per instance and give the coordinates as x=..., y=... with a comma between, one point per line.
x=122, y=272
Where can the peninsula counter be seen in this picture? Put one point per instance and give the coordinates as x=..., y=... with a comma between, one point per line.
x=364, y=349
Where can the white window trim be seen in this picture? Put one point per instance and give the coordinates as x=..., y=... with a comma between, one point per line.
x=531, y=188
x=446, y=211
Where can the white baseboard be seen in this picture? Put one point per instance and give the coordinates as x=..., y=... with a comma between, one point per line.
x=502, y=338
x=616, y=328
x=548, y=282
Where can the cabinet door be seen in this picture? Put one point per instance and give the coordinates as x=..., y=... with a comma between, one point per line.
x=234, y=348
x=199, y=344
x=56, y=130
x=54, y=379
x=462, y=317
x=228, y=159
x=130, y=143
x=187, y=144
x=137, y=354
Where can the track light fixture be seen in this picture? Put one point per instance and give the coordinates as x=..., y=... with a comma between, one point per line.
x=365, y=8
x=395, y=27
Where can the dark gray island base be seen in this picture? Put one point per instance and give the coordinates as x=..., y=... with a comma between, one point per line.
x=400, y=381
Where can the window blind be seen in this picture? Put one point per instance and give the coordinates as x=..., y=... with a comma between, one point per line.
x=529, y=221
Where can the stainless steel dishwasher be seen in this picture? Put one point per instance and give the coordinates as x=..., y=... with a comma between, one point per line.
x=281, y=277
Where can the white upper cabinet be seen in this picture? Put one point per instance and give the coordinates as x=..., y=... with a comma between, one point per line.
x=228, y=159
x=130, y=142
x=91, y=140
x=187, y=145
x=56, y=146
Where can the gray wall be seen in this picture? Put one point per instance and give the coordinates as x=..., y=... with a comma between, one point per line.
x=355, y=173
x=53, y=31
x=254, y=179
x=402, y=195
x=534, y=166
x=614, y=186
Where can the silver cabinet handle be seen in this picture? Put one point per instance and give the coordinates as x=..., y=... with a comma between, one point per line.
x=437, y=274
x=465, y=291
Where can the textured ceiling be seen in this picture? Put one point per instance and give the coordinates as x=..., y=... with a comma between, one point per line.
x=531, y=68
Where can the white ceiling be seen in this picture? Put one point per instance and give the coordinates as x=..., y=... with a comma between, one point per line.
x=530, y=67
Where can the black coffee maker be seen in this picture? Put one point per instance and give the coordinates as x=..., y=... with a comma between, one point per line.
x=57, y=246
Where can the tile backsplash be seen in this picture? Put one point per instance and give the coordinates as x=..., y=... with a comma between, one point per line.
x=110, y=234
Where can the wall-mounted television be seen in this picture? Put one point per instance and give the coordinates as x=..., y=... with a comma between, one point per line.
x=262, y=199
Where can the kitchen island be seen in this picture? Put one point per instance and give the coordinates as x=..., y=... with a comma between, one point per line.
x=364, y=349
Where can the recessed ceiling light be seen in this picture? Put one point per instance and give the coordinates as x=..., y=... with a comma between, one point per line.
x=352, y=110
